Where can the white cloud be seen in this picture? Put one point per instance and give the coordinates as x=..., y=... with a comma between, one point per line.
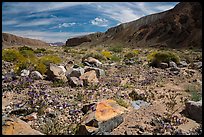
x=65, y=25
x=48, y=36
x=100, y=22
x=35, y=7
x=129, y=11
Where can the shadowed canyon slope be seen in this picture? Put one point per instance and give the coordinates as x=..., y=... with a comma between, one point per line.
x=13, y=40
x=175, y=28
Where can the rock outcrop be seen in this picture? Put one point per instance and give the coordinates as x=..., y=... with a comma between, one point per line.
x=77, y=41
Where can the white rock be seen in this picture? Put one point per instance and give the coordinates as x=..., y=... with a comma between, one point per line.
x=25, y=72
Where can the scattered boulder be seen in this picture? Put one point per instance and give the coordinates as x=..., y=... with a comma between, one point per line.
x=92, y=62
x=99, y=72
x=89, y=77
x=25, y=73
x=173, y=66
x=36, y=75
x=182, y=64
x=129, y=61
x=15, y=126
x=106, y=117
x=74, y=81
x=197, y=65
x=193, y=110
x=55, y=72
x=163, y=65
x=63, y=68
x=75, y=72
x=139, y=103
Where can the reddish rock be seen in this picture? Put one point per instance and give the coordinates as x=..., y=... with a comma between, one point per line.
x=15, y=126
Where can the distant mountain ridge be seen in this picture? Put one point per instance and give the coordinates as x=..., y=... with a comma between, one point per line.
x=176, y=28
x=9, y=40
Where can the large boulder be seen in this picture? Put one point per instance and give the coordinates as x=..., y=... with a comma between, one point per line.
x=99, y=72
x=106, y=116
x=74, y=72
x=74, y=81
x=193, y=110
x=55, y=72
x=36, y=75
x=92, y=62
x=89, y=78
x=15, y=126
x=25, y=73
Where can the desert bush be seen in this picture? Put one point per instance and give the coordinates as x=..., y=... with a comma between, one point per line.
x=27, y=53
x=46, y=60
x=131, y=54
x=11, y=55
x=194, y=91
x=116, y=48
x=155, y=58
x=39, y=50
x=95, y=55
x=41, y=67
x=106, y=54
x=121, y=102
x=115, y=58
x=25, y=48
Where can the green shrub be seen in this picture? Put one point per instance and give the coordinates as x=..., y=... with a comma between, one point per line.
x=11, y=55
x=46, y=60
x=106, y=54
x=39, y=50
x=25, y=48
x=121, y=102
x=116, y=48
x=115, y=58
x=95, y=55
x=194, y=92
x=131, y=54
x=27, y=53
x=41, y=67
x=155, y=58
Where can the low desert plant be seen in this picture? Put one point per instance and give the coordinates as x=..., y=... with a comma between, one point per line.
x=95, y=55
x=106, y=54
x=115, y=58
x=121, y=102
x=155, y=58
x=131, y=54
x=11, y=55
x=116, y=48
x=194, y=92
x=40, y=50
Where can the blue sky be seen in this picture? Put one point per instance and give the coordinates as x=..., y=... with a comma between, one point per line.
x=57, y=21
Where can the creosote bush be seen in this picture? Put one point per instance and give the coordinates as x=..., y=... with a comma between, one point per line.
x=95, y=55
x=155, y=58
x=115, y=58
x=106, y=54
x=116, y=48
x=131, y=54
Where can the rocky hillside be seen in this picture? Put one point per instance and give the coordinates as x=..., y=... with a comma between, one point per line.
x=13, y=40
x=178, y=27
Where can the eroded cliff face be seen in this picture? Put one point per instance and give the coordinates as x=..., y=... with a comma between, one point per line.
x=13, y=40
x=175, y=28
